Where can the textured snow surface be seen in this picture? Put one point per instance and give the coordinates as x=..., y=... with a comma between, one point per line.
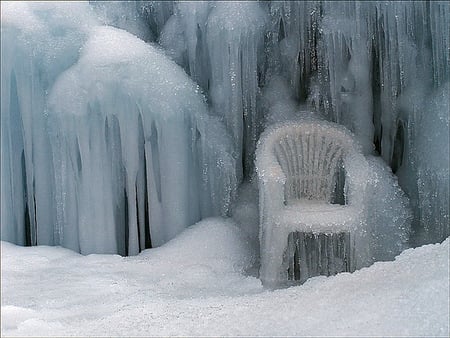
x=196, y=285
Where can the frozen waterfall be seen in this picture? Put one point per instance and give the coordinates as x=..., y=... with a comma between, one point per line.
x=122, y=123
x=122, y=153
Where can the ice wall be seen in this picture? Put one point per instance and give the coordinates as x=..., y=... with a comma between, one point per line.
x=220, y=45
x=373, y=66
x=129, y=15
x=107, y=145
x=39, y=40
x=381, y=68
x=367, y=65
x=370, y=66
x=389, y=213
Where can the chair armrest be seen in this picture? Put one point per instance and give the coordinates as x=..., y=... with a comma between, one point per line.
x=356, y=179
x=271, y=183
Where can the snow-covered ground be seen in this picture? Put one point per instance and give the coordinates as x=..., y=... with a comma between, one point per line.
x=199, y=284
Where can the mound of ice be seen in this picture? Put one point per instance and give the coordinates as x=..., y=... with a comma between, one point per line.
x=90, y=160
x=137, y=99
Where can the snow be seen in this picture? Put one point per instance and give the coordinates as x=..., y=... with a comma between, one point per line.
x=175, y=290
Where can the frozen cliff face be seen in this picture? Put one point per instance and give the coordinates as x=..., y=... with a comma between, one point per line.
x=433, y=166
x=367, y=65
x=373, y=66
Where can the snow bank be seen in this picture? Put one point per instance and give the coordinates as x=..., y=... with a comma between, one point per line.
x=174, y=291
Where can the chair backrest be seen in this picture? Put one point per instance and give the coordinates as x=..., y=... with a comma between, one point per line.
x=312, y=156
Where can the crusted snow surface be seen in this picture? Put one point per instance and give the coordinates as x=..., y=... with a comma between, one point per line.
x=196, y=285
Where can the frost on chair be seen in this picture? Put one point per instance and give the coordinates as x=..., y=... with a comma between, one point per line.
x=312, y=179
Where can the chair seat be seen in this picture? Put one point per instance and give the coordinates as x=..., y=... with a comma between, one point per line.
x=316, y=216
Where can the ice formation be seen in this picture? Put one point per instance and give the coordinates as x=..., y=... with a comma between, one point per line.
x=39, y=41
x=380, y=68
x=220, y=44
x=134, y=155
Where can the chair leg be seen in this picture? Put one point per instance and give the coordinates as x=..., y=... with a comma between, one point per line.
x=308, y=255
x=271, y=272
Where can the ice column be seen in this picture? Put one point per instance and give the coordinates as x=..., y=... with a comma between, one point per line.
x=346, y=55
x=39, y=40
x=234, y=36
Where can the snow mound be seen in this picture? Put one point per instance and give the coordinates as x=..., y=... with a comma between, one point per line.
x=172, y=290
x=214, y=242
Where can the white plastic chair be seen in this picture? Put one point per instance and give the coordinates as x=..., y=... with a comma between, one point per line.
x=312, y=178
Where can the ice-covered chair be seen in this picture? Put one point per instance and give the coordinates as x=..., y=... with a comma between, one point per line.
x=312, y=179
